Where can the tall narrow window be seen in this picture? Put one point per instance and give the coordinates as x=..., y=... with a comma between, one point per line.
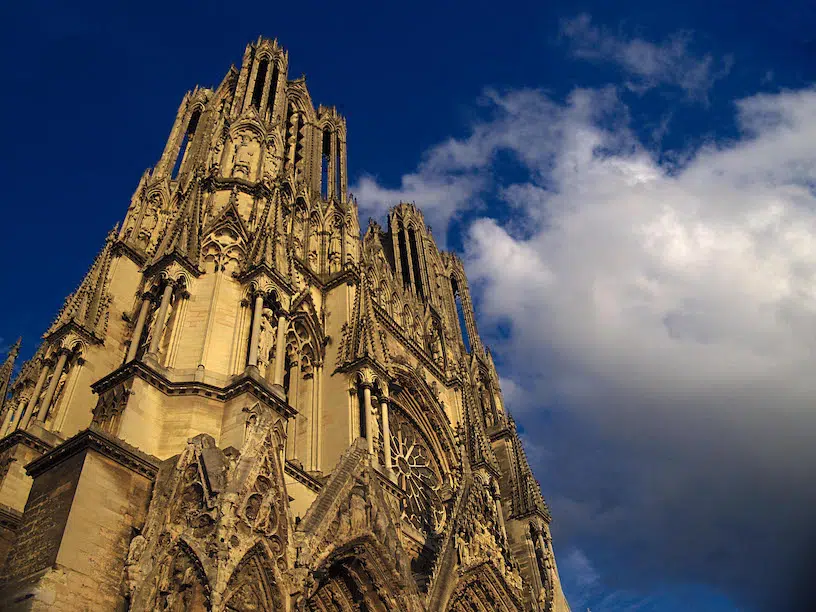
x=460, y=314
x=273, y=90
x=415, y=261
x=338, y=176
x=362, y=411
x=324, y=164
x=186, y=140
x=287, y=375
x=298, y=126
x=260, y=81
x=404, y=263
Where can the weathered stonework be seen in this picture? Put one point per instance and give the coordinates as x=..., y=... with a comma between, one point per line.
x=248, y=405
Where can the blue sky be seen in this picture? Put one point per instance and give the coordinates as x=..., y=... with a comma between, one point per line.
x=631, y=186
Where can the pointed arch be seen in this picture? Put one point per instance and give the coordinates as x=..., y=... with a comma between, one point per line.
x=254, y=584
x=484, y=588
x=360, y=575
x=180, y=582
x=419, y=401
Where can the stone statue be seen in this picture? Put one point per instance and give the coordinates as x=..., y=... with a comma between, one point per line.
x=244, y=155
x=132, y=573
x=272, y=162
x=462, y=548
x=358, y=513
x=266, y=339
x=335, y=254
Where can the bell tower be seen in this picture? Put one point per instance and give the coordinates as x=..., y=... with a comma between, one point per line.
x=247, y=404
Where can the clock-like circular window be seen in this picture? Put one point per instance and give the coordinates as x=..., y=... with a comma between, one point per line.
x=417, y=474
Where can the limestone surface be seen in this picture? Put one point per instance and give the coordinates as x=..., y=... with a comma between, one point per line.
x=250, y=404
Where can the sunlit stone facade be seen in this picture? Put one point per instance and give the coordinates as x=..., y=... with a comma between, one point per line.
x=247, y=404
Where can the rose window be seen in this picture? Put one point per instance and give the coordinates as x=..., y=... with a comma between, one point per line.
x=417, y=475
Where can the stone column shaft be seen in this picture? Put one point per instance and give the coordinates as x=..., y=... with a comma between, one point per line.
x=280, y=352
x=34, y=395
x=368, y=423
x=256, y=330
x=6, y=421
x=137, y=331
x=158, y=324
x=386, y=434
x=52, y=388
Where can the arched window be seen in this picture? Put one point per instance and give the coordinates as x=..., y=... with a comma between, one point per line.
x=273, y=90
x=287, y=375
x=186, y=140
x=324, y=164
x=299, y=384
x=404, y=263
x=338, y=178
x=460, y=314
x=415, y=261
x=260, y=81
x=362, y=412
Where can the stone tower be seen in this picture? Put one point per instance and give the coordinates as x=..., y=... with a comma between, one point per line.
x=247, y=404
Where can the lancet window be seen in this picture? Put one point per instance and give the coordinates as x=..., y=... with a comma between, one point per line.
x=338, y=167
x=324, y=164
x=415, y=255
x=404, y=261
x=301, y=378
x=460, y=314
x=362, y=413
x=186, y=142
x=260, y=81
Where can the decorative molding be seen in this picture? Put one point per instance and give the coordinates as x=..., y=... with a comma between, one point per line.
x=303, y=477
x=10, y=518
x=20, y=436
x=242, y=383
x=92, y=439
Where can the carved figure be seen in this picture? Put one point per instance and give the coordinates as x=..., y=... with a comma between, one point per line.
x=266, y=340
x=462, y=548
x=245, y=155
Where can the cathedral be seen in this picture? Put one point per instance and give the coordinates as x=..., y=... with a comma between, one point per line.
x=252, y=403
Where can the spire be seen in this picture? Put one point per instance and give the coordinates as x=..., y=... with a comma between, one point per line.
x=479, y=449
x=364, y=338
x=87, y=307
x=7, y=369
x=527, y=497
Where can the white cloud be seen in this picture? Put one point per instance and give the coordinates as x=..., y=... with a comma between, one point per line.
x=648, y=65
x=673, y=309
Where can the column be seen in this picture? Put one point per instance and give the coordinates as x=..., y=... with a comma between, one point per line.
x=137, y=331
x=22, y=424
x=369, y=419
x=256, y=329
x=280, y=352
x=536, y=573
x=42, y=413
x=158, y=324
x=6, y=421
x=386, y=433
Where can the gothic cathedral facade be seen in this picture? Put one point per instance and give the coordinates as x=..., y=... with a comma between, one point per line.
x=250, y=404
